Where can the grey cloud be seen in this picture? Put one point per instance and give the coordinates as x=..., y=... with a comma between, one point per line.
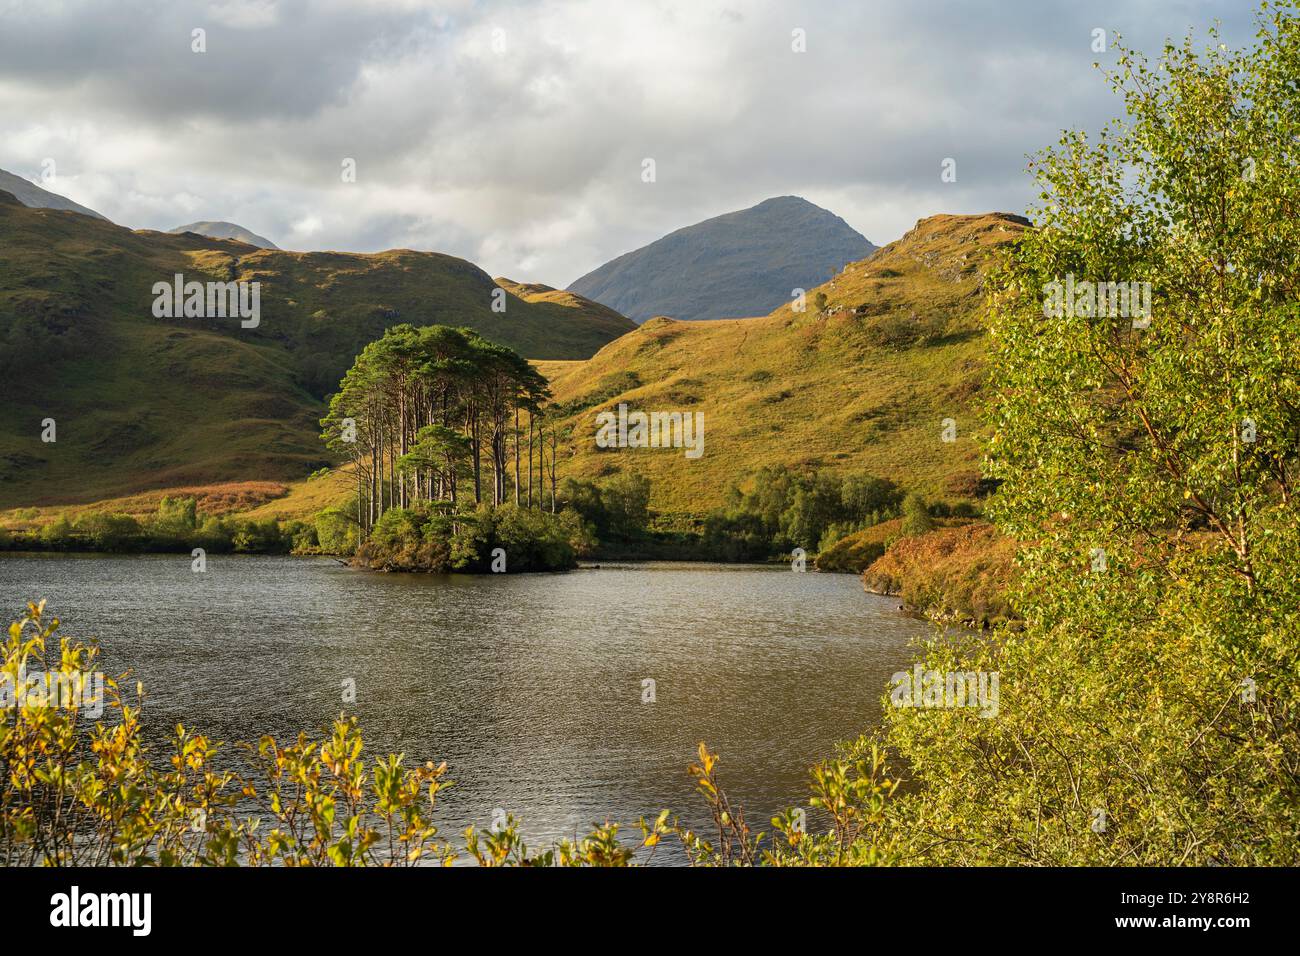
x=528, y=161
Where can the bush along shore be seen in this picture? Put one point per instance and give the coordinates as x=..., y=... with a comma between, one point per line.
x=856, y=519
x=961, y=574
x=504, y=539
x=177, y=526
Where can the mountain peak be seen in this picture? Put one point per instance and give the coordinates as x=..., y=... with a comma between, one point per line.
x=29, y=194
x=739, y=264
x=220, y=229
x=791, y=201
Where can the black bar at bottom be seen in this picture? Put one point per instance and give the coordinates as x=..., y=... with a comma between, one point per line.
x=935, y=905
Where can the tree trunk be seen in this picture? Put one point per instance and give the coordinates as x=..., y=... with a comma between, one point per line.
x=516, y=456
x=478, y=463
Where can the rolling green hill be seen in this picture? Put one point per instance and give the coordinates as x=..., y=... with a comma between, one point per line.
x=863, y=384
x=142, y=402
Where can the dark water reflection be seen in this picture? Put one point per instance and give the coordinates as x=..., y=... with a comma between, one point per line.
x=529, y=686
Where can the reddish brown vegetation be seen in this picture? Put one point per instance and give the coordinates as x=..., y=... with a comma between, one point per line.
x=963, y=572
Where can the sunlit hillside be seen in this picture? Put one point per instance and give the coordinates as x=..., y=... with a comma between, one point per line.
x=861, y=380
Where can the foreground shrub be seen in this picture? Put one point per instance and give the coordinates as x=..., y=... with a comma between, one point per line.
x=1150, y=708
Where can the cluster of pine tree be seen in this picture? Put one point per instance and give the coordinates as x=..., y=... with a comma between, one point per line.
x=443, y=416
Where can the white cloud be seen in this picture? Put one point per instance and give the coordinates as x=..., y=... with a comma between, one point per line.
x=307, y=227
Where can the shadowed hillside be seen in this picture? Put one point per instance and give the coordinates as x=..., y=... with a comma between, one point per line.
x=864, y=384
x=143, y=402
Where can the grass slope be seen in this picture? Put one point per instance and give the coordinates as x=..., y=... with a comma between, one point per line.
x=300, y=500
x=864, y=384
x=143, y=403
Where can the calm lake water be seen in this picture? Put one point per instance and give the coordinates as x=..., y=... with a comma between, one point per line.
x=529, y=686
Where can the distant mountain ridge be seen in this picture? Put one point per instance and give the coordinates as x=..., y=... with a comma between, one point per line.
x=736, y=265
x=29, y=194
x=220, y=229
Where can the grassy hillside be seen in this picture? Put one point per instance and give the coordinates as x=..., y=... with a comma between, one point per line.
x=863, y=384
x=300, y=500
x=544, y=295
x=143, y=403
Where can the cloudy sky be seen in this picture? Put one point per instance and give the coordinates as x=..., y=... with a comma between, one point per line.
x=514, y=133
